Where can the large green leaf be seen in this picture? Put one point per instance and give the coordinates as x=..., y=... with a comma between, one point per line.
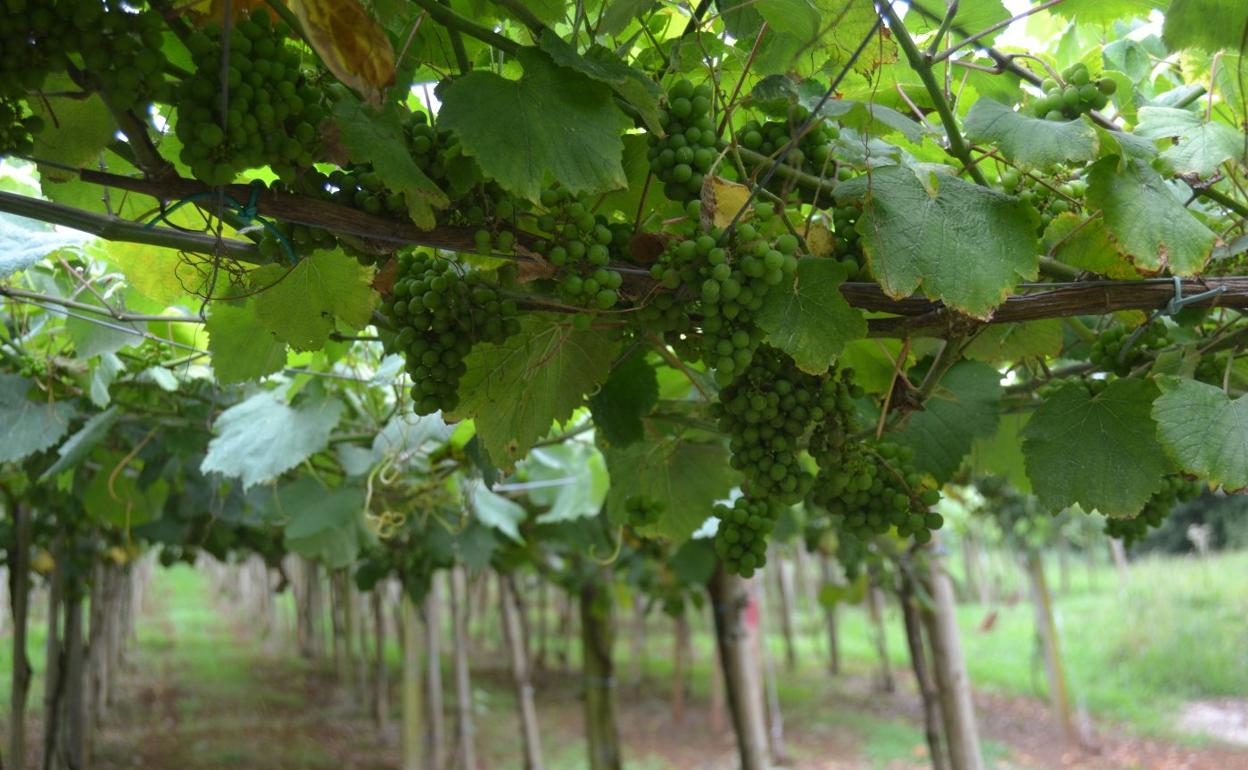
x=571, y=481
x=1147, y=220
x=812, y=321
x=96, y=334
x=1107, y=11
x=625, y=398
x=1202, y=145
x=1209, y=24
x=496, y=511
x=119, y=499
x=553, y=125
x=1001, y=454
x=1031, y=142
x=75, y=129
x=79, y=445
x=687, y=477
x=378, y=138
x=965, y=406
x=601, y=64
x=956, y=241
x=262, y=438
x=1086, y=244
x=1205, y=431
x=1015, y=341
x=1100, y=451
x=300, y=304
x=515, y=391
x=27, y=426
x=242, y=347
x=322, y=524
x=972, y=16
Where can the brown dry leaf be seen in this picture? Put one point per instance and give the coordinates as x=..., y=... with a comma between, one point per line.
x=646, y=248
x=721, y=200
x=383, y=282
x=819, y=239
x=351, y=43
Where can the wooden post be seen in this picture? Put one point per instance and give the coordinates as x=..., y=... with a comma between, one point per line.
x=381, y=681
x=771, y=688
x=597, y=638
x=875, y=611
x=513, y=637
x=435, y=721
x=54, y=676
x=957, y=707
x=829, y=616
x=1046, y=628
x=73, y=735
x=922, y=674
x=786, y=607
x=19, y=605
x=465, y=730
x=730, y=598
x=637, y=653
x=680, y=667
x=411, y=699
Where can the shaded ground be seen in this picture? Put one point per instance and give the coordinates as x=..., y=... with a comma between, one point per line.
x=207, y=696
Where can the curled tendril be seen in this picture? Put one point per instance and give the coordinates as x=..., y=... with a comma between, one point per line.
x=615, y=554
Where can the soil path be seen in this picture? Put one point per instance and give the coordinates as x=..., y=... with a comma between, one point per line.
x=208, y=696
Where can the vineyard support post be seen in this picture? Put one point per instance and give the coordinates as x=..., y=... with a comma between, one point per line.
x=948, y=664
x=411, y=732
x=465, y=729
x=597, y=639
x=513, y=637
x=730, y=596
x=19, y=605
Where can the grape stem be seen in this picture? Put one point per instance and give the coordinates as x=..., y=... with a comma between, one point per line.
x=452, y=20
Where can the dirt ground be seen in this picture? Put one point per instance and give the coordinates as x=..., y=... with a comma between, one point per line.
x=258, y=707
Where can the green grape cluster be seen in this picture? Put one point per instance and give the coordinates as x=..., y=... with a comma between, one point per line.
x=580, y=249
x=813, y=153
x=741, y=540
x=1111, y=354
x=1176, y=489
x=1076, y=95
x=687, y=150
x=35, y=35
x=1048, y=201
x=122, y=51
x=271, y=113
x=765, y=412
x=847, y=243
x=1211, y=369
x=643, y=511
x=440, y=310
x=874, y=487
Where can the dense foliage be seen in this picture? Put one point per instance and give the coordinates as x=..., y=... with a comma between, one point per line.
x=477, y=278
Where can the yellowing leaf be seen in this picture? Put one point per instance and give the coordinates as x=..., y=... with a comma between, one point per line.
x=819, y=239
x=351, y=43
x=721, y=200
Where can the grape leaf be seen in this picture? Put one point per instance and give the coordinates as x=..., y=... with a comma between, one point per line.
x=1204, y=430
x=156, y=273
x=74, y=130
x=687, y=477
x=576, y=481
x=553, y=125
x=1151, y=225
x=873, y=361
x=1106, y=11
x=1098, y=451
x=120, y=500
x=79, y=445
x=620, y=12
x=1209, y=24
x=956, y=241
x=95, y=334
x=261, y=438
x=973, y=16
x=965, y=406
x=351, y=43
x=1001, y=454
x=496, y=511
x=515, y=391
x=1011, y=342
x=812, y=321
x=601, y=64
x=242, y=348
x=1087, y=245
x=300, y=304
x=1031, y=142
x=1203, y=145
x=378, y=138
x=625, y=398
x=27, y=426
x=798, y=18
x=322, y=524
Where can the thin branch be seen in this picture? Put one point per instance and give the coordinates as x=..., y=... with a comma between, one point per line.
x=97, y=310
x=957, y=145
x=452, y=20
x=951, y=50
